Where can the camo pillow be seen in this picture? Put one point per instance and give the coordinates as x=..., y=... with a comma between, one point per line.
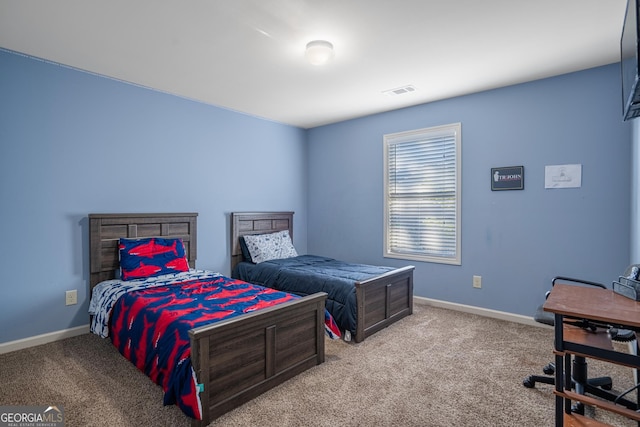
x=149, y=257
x=265, y=247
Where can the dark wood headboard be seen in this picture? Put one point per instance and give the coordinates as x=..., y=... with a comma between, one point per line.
x=106, y=229
x=256, y=223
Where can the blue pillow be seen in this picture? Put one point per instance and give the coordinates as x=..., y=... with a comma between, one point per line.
x=149, y=257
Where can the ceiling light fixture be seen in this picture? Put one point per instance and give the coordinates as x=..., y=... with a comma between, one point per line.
x=319, y=52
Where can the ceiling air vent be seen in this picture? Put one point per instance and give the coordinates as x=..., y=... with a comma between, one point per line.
x=399, y=90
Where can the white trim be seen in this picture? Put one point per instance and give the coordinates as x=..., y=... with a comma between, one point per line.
x=43, y=339
x=502, y=315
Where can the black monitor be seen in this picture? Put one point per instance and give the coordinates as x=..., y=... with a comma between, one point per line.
x=629, y=57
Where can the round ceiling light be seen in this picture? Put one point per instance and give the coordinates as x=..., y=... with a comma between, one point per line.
x=319, y=52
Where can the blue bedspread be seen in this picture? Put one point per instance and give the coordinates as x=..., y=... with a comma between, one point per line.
x=307, y=274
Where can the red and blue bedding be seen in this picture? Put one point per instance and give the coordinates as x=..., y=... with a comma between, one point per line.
x=150, y=319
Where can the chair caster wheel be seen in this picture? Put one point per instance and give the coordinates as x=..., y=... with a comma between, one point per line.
x=549, y=369
x=528, y=383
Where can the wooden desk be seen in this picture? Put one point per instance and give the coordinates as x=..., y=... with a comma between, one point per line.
x=600, y=305
x=593, y=303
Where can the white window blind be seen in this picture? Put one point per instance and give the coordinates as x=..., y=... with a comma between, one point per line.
x=422, y=202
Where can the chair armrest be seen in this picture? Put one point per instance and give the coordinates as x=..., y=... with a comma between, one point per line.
x=570, y=279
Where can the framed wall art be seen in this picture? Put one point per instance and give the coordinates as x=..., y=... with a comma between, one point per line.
x=563, y=176
x=507, y=178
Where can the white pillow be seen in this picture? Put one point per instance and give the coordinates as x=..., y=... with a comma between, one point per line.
x=287, y=250
x=265, y=247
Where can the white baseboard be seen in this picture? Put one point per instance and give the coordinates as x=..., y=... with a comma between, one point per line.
x=502, y=315
x=43, y=339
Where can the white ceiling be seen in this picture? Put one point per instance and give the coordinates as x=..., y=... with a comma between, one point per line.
x=248, y=55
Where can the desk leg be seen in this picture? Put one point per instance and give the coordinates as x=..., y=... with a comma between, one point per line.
x=560, y=370
x=559, y=388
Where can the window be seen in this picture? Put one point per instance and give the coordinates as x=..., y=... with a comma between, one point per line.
x=422, y=194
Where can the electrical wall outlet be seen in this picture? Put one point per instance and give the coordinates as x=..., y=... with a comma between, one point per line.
x=71, y=297
x=477, y=281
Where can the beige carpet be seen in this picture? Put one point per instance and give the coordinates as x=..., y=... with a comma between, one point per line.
x=434, y=368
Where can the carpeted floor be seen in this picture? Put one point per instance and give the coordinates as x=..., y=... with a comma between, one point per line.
x=435, y=368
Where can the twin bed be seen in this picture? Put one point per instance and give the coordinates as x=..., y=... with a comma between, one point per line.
x=259, y=338
x=362, y=298
x=236, y=359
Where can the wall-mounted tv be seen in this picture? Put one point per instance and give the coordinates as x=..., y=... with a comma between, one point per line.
x=629, y=57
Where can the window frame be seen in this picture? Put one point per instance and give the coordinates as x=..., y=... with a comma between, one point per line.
x=453, y=130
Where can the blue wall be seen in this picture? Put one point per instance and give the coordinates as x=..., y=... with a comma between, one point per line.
x=73, y=143
x=516, y=240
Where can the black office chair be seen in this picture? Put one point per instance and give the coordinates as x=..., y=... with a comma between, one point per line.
x=595, y=386
x=548, y=318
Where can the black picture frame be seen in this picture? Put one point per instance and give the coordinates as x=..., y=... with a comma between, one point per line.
x=507, y=178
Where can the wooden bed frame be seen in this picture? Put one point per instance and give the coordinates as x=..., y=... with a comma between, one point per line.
x=381, y=300
x=237, y=359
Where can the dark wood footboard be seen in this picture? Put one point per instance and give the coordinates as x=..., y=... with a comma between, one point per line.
x=236, y=360
x=383, y=300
